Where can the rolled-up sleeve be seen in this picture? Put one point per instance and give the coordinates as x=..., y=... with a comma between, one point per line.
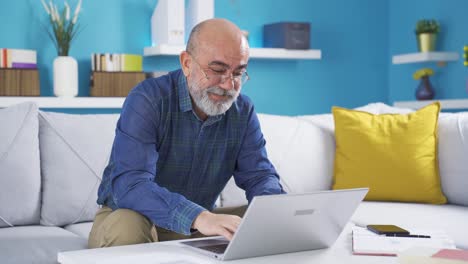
x=134, y=157
x=254, y=172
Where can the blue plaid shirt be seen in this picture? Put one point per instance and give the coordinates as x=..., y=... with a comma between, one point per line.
x=169, y=165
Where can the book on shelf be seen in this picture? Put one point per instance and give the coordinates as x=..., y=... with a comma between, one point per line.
x=131, y=62
x=19, y=82
x=1, y=59
x=110, y=62
x=18, y=58
x=23, y=65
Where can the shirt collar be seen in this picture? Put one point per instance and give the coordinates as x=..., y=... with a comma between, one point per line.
x=185, y=102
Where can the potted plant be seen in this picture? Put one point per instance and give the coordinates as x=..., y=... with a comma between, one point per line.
x=62, y=31
x=426, y=34
x=425, y=90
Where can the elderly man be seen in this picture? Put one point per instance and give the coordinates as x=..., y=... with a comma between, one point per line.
x=178, y=141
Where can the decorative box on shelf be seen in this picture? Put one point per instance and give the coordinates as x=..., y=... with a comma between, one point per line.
x=114, y=84
x=19, y=82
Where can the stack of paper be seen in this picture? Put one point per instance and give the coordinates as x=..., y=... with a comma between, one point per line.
x=366, y=242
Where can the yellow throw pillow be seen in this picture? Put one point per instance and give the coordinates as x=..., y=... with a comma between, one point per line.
x=394, y=155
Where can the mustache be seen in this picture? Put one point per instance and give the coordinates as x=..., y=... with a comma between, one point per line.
x=218, y=91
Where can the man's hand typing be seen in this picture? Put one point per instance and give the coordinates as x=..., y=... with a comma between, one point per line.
x=211, y=224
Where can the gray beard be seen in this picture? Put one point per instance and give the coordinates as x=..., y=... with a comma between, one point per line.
x=205, y=104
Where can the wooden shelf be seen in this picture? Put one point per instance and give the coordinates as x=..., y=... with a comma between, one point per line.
x=260, y=53
x=445, y=104
x=163, y=50
x=65, y=102
x=425, y=57
x=271, y=53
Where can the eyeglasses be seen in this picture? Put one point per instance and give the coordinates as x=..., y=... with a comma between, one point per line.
x=217, y=76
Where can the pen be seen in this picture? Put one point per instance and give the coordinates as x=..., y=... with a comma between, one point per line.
x=408, y=235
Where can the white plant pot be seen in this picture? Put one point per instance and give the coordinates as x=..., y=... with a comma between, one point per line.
x=65, y=76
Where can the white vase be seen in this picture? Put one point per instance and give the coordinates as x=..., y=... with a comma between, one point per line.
x=65, y=76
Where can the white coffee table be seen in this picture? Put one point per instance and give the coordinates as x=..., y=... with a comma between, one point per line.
x=173, y=253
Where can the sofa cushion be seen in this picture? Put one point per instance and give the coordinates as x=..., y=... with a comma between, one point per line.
x=453, y=156
x=452, y=219
x=325, y=121
x=300, y=152
x=81, y=229
x=452, y=150
x=20, y=179
x=394, y=155
x=452, y=146
x=74, y=152
x=381, y=108
x=36, y=244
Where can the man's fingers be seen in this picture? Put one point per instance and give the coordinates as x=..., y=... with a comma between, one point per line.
x=225, y=233
x=223, y=225
x=237, y=221
x=231, y=224
x=232, y=227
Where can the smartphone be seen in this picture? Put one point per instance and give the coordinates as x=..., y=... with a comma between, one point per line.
x=387, y=230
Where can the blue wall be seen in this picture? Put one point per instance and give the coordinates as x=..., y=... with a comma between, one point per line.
x=353, y=37
x=449, y=82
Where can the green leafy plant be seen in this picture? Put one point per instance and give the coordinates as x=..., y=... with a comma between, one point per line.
x=64, y=26
x=427, y=26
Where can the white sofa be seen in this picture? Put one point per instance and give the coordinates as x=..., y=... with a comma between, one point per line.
x=51, y=165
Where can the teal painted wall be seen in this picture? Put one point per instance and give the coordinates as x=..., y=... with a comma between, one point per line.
x=353, y=37
x=450, y=81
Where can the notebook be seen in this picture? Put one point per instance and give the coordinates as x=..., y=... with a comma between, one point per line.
x=366, y=242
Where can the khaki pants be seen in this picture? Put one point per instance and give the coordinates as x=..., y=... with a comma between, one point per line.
x=127, y=227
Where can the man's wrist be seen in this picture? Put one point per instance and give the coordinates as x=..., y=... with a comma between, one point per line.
x=198, y=219
x=184, y=215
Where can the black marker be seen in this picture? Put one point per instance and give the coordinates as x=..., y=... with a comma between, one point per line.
x=407, y=235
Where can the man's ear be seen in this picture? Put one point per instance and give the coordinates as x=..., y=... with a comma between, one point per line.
x=185, y=62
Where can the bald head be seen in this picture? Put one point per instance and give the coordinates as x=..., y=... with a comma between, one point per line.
x=216, y=33
x=216, y=50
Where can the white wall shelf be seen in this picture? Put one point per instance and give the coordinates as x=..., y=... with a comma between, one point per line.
x=59, y=102
x=425, y=57
x=260, y=53
x=445, y=104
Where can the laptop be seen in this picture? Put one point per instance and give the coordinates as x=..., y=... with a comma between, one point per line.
x=276, y=224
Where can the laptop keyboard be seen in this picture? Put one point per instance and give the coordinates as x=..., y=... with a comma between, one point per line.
x=218, y=249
